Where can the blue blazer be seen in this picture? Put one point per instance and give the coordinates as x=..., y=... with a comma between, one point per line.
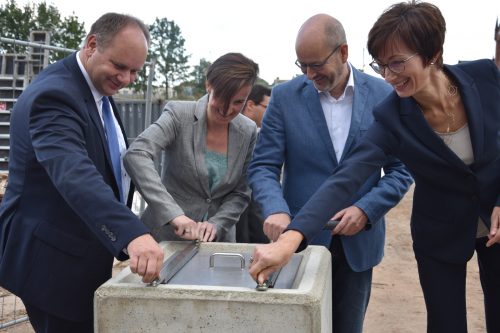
x=449, y=196
x=294, y=133
x=61, y=220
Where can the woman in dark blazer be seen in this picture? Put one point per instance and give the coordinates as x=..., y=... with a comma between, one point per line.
x=208, y=145
x=443, y=122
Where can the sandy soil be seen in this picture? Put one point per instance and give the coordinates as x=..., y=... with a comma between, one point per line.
x=397, y=304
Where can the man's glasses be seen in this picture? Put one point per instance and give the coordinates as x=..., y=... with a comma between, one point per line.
x=316, y=66
x=263, y=105
x=396, y=66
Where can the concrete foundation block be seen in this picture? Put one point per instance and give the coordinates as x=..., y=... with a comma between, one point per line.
x=125, y=304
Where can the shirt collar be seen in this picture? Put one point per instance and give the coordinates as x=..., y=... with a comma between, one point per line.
x=348, y=90
x=96, y=94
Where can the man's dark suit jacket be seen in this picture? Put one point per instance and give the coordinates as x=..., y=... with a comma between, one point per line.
x=449, y=196
x=61, y=222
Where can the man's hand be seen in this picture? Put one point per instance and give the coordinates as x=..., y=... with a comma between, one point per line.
x=352, y=220
x=185, y=227
x=146, y=257
x=275, y=224
x=269, y=258
x=494, y=235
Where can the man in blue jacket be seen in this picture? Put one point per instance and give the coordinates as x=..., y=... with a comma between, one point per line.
x=311, y=125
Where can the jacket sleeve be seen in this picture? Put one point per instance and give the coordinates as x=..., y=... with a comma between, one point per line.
x=338, y=190
x=389, y=190
x=140, y=164
x=59, y=131
x=264, y=172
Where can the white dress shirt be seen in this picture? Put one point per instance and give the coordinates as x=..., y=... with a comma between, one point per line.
x=121, y=140
x=338, y=114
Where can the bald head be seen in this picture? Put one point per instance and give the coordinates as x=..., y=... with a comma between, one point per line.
x=320, y=30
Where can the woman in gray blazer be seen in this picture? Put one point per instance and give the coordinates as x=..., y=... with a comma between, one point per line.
x=208, y=145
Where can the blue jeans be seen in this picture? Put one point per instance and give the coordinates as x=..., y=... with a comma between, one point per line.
x=350, y=292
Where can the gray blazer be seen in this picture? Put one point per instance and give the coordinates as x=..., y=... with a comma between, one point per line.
x=183, y=188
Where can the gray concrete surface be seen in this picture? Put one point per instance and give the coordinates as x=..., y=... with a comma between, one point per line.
x=125, y=304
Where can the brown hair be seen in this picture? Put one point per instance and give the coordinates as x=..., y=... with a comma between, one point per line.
x=108, y=25
x=229, y=73
x=420, y=25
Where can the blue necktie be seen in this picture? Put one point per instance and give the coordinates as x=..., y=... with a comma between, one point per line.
x=114, y=147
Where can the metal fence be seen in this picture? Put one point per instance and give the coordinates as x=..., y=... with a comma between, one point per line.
x=12, y=310
x=134, y=116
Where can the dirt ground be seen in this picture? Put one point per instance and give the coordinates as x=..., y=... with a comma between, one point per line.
x=397, y=304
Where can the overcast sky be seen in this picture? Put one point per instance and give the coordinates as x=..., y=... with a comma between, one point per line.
x=265, y=30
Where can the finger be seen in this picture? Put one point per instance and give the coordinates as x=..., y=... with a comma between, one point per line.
x=494, y=227
x=209, y=231
x=276, y=232
x=201, y=234
x=159, y=264
x=493, y=240
x=133, y=264
x=264, y=274
x=150, y=274
x=268, y=230
x=179, y=231
x=338, y=215
x=206, y=235
x=213, y=234
x=142, y=263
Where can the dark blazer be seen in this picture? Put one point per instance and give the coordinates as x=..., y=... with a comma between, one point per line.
x=449, y=196
x=295, y=134
x=61, y=220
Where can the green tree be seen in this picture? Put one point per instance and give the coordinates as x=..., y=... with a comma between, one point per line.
x=17, y=23
x=167, y=45
x=199, y=75
x=69, y=34
x=47, y=17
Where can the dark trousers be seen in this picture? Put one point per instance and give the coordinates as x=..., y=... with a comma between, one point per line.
x=250, y=227
x=350, y=292
x=44, y=322
x=443, y=286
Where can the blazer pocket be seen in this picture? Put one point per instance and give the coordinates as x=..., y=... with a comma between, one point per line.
x=61, y=240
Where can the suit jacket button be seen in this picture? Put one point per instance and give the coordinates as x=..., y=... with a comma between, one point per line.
x=208, y=200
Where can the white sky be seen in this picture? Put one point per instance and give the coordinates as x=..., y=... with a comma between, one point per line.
x=265, y=30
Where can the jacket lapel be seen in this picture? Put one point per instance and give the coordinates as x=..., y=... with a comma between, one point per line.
x=473, y=108
x=199, y=142
x=413, y=118
x=315, y=109
x=90, y=103
x=358, y=103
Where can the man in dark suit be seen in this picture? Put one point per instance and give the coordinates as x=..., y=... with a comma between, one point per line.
x=63, y=217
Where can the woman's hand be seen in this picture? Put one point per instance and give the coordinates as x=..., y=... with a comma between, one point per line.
x=206, y=231
x=494, y=235
x=269, y=258
x=185, y=227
